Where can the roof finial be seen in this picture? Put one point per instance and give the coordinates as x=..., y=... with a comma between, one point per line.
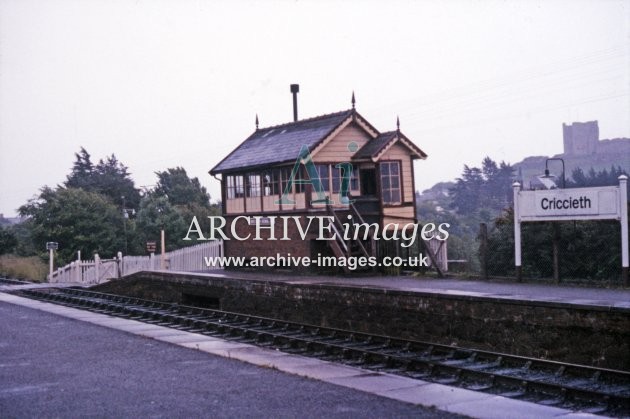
x=398, y=123
x=353, y=100
x=256, y=122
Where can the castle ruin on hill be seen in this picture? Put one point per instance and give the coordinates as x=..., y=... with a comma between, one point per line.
x=582, y=139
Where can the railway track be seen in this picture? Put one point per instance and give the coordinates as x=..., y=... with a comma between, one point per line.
x=576, y=387
x=9, y=281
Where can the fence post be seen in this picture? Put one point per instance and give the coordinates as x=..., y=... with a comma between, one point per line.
x=120, y=264
x=72, y=277
x=97, y=263
x=74, y=273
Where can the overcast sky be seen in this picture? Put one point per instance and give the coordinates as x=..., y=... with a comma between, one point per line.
x=178, y=83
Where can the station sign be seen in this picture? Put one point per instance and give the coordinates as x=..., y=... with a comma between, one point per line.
x=151, y=247
x=52, y=245
x=570, y=204
x=259, y=220
x=599, y=203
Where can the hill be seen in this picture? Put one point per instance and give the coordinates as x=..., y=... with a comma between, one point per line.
x=609, y=153
x=582, y=149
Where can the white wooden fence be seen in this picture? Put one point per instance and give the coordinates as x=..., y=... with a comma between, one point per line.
x=440, y=250
x=190, y=259
x=100, y=270
x=86, y=271
x=193, y=258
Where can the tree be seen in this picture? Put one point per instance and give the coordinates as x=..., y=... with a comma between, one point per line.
x=25, y=244
x=157, y=213
x=108, y=177
x=467, y=191
x=181, y=189
x=186, y=195
x=4, y=222
x=601, y=178
x=8, y=241
x=483, y=192
x=114, y=180
x=77, y=220
x=497, y=184
x=82, y=175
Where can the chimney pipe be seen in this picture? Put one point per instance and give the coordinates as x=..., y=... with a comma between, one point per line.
x=295, y=88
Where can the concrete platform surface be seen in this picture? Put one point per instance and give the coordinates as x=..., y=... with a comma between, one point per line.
x=53, y=366
x=56, y=361
x=35, y=285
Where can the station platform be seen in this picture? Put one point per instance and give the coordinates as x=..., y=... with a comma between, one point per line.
x=35, y=285
x=64, y=362
x=606, y=298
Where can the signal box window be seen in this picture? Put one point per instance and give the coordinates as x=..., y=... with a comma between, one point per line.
x=390, y=182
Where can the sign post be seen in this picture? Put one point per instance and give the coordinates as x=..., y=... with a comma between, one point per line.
x=51, y=247
x=517, y=233
x=151, y=247
x=598, y=203
x=623, y=196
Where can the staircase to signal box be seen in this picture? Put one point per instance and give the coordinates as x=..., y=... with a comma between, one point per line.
x=353, y=247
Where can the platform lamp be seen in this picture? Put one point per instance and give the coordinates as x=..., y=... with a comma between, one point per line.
x=556, y=228
x=547, y=169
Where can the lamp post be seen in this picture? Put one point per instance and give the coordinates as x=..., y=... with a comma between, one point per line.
x=126, y=212
x=547, y=169
x=556, y=228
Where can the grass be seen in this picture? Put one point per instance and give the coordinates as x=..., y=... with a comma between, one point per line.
x=31, y=268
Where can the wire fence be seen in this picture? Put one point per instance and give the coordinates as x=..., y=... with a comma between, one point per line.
x=588, y=251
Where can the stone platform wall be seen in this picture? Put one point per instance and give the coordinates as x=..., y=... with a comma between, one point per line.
x=580, y=334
